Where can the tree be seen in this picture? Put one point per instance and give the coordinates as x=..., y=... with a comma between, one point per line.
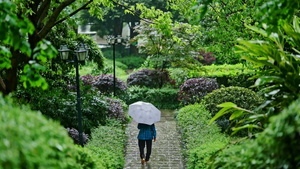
x=14, y=29
x=112, y=22
x=40, y=16
x=174, y=44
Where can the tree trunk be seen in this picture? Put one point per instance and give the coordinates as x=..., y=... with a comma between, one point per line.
x=11, y=79
x=133, y=48
x=118, y=26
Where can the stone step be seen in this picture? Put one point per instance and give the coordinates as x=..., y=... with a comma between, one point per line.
x=166, y=151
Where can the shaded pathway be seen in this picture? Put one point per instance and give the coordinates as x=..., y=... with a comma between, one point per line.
x=165, y=151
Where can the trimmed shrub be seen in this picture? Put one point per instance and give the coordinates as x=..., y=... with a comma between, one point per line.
x=105, y=84
x=193, y=90
x=240, y=80
x=132, y=62
x=115, y=110
x=164, y=98
x=227, y=75
x=200, y=140
x=149, y=78
x=240, y=96
x=276, y=147
x=108, y=144
x=29, y=140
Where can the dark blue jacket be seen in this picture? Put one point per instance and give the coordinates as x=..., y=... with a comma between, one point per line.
x=147, y=132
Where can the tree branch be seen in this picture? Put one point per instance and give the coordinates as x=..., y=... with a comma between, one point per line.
x=135, y=13
x=2, y=84
x=73, y=13
x=44, y=31
x=42, y=12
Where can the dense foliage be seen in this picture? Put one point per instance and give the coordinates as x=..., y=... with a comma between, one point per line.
x=193, y=90
x=242, y=97
x=60, y=104
x=29, y=140
x=276, y=147
x=278, y=57
x=206, y=58
x=164, y=98
x=105, y=84
x=167, y=43
x=200, y=140
x=14, y=28
x=221, y=25
x=132, y=62
x=149, y=78
x=108, y=144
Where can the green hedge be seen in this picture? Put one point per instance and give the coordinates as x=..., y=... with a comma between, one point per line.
x=276, y=147
x=164, y=98
x=132, y=62
x=200, y=140
x=227, y=75
x=29, y=140
x=108, y=144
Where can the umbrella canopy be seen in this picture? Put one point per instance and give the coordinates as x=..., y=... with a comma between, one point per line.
x=143, y=112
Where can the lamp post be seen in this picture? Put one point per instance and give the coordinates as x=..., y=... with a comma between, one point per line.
x=80, y=55
x=111, y=40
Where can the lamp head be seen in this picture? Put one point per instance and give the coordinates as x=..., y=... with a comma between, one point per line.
x=64, y=52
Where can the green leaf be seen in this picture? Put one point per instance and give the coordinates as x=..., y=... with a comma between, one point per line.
x=236, y=114
x=227, y=104
x=223, y=111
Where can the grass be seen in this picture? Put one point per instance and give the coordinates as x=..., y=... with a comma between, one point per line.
x=91, y=68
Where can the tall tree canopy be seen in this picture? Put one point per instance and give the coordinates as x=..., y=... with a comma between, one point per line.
x=40, y=16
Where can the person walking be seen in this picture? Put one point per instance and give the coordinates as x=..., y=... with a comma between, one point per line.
x=146, y=135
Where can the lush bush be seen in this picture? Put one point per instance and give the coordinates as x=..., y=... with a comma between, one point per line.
x=179, y=75
x=110, y=63
x=276, y=147
x=61, y=105
x=242, y=97
x=29, y=140
x=193, y=90
x=105, y=84
x=132, y=62
x=149, y=78
x=200, y=140
x=116, y=110
x=108, y=144
x=108, y=53
x=164, y=98
x=206, y=58
x=87, y=79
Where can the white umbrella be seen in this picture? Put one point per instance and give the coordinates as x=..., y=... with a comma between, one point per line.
x=143, y=112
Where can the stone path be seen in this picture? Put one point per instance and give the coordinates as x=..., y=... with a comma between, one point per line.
x=165, y=151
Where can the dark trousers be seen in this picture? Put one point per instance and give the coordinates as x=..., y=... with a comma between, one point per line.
x=142, y=147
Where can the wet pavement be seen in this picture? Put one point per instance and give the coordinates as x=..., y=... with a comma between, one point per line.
x=165, y=151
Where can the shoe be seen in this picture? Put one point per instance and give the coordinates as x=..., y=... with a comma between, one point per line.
x=143, y=161
x=147, y=162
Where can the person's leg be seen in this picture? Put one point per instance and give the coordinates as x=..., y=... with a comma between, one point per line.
x=142, y=147
x=149, y=147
